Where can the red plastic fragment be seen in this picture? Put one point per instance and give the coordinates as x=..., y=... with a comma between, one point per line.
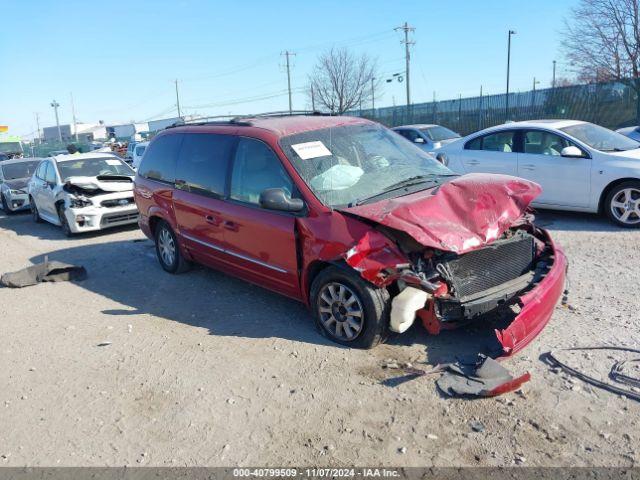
x=509, y=386
x=376, y=258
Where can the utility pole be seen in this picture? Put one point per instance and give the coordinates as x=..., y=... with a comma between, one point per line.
x=480, y=110
x=313, y=100
x=177, y=98
x=55, y=106
x=506, y=110
x=373, y=96
x=553, y=81
x=534, y=83
x=406, y=28
x=73, y=113
x=38, y=126
x=287, y=55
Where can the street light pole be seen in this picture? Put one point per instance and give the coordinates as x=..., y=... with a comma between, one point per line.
x=553, y=82
x=55, y=106
x=506, y=110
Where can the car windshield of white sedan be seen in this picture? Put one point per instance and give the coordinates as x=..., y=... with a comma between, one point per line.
x=354, y=164
x=437, y=134
x=601, y=138
x=13, y=171
x=92, y=167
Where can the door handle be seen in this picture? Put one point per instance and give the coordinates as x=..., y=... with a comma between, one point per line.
x=212, y=220
x=229, y=225
x=473, y=162
x=528, y=167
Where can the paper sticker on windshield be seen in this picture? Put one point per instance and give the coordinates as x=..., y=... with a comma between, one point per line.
x=311, y=150
x=113, y=162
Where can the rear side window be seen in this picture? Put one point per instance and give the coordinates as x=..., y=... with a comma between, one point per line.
x=494, y=142
x=203, y=163
x=475, y=144
x=159, y=162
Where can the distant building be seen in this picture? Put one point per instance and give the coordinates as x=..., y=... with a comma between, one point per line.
x=127, y=131
x=87, y=132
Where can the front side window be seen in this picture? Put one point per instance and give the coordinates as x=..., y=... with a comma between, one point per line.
x=600, y=138
x=140, y=150
x=41, y=171
x=203, y=162
x=93, y=167
x=50, y=174
x=354, y=164
x=255, y=169
x=539, y=142
x=159, y=162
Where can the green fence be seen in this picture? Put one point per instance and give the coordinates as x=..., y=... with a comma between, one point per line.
x=612, y=105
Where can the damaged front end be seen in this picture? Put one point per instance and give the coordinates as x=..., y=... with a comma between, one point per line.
x=466, y=251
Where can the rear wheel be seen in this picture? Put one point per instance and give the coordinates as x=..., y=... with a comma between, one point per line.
x=168, y=250
x=622, y=204
x=34, y=211
x=64, y=223
x=349, y=310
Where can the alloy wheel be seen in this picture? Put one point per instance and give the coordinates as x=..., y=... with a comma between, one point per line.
x=340, y=311
x=625, y=206
x=166, y=247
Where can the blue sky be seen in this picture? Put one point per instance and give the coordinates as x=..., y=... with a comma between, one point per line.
x=119, y=58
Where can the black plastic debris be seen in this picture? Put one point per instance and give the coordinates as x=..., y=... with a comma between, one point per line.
x=619, y=373
x=43, y=272
x=485, y=378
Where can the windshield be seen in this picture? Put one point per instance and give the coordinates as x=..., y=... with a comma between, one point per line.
x=13, y=171
x=601, y=138
x=344, y=165
x=438, y=133
x=92, y=167
x=10, y=147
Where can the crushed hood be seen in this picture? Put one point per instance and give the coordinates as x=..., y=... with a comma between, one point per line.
x=105, y=183
x=462, y=215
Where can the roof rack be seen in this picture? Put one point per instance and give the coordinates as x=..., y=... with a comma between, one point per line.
x=242, y=120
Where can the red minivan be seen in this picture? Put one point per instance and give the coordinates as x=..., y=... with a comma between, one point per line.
x=348, y=217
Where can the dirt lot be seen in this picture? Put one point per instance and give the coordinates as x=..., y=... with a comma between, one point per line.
x=207, y=370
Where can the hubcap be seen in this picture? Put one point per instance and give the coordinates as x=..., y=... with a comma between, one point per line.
x=167, y=247
x=340, y=311
x=625, y=206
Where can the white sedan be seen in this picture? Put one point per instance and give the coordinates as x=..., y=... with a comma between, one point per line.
x=580, y=166
x=83, y=192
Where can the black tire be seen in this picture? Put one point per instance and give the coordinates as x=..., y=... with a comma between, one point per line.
x=5, y=206
x=34, y=211
x=374, y=304
x=179, y=264
x=64, y=223
x=616, y=214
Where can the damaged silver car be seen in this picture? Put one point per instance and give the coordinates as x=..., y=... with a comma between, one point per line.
x=83, y=192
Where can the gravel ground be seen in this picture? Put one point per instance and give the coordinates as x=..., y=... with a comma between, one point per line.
x=207, y=370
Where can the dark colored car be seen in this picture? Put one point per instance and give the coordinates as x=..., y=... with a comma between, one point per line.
x=348, y=217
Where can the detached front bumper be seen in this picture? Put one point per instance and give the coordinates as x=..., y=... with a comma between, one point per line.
x=536, y=305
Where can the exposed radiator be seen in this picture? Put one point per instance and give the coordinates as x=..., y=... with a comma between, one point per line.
x=490, y=266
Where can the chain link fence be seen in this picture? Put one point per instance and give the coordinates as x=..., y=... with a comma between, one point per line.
x=612, y=105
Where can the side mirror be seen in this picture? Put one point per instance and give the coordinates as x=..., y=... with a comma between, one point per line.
x=571, y=152
x=277, y=199
x=419, y=140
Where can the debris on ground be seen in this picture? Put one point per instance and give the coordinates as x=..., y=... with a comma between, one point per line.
x=486, y=378
x=43, y=272
x=106, y=343
x=619, y=372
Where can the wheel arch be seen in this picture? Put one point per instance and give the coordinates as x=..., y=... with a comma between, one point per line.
x=611, y=186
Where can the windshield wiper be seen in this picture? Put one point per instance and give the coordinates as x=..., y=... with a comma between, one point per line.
x=407, y=182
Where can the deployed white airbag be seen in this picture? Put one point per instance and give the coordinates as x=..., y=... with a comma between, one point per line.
x=338, y=177
x=404, y=308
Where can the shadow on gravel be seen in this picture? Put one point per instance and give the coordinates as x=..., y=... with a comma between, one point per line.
x=575, y=222
x=22, y=224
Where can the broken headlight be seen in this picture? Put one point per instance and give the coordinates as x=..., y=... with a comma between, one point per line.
x=17, y=192
x=78, y=202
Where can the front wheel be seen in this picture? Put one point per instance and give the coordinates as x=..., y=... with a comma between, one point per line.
x=622, y=204
x=349, y=310
x=64, y=223
x=34, y=211
x=5, y=206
